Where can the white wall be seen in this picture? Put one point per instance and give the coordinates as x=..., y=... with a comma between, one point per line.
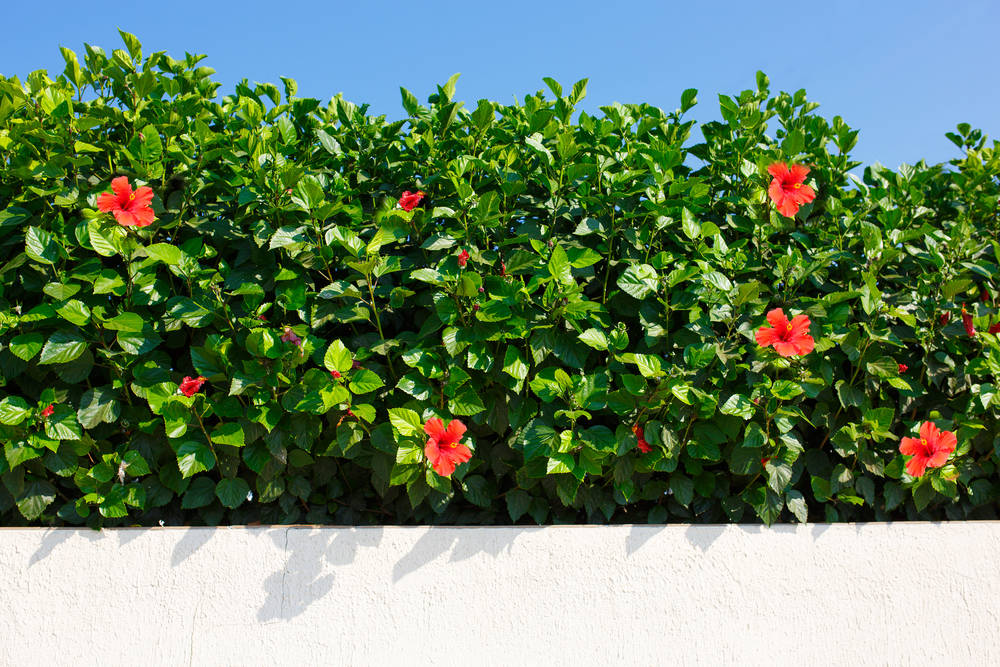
x=875, y=594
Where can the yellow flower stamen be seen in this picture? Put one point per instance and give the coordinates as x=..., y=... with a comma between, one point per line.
x=796, y=185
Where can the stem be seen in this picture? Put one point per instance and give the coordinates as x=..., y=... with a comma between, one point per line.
x=378, y=322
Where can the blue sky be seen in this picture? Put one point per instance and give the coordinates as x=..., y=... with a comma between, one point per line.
x=903, y=73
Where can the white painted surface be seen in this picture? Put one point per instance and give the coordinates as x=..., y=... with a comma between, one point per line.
x=873, y=594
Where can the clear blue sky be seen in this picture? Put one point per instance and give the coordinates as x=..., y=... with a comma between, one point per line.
x=901, y=72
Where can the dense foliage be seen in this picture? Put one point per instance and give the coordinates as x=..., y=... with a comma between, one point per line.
x=574, y=289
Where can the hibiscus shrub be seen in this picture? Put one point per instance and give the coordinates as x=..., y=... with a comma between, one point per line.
x=262, y=308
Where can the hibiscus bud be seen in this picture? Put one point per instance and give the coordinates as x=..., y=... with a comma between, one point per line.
x=944, y=318
x=350, y=413
x=355, y=365
x=335, y=375
x=481, y=290
x=763, y=461
x=503, y=269
x=903, y=368
x=970, y=330
x=463, y=258
x=475, y=307
x=994, y=329
x=984, y=296
x=48, y=411
x=550, y=244
x=142, y=137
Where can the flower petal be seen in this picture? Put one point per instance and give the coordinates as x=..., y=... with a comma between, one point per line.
x=929, y=432
x=123, y=191
x=788, y=207
x=455, y=431
x=786, y=348
x=776, y=192
x=143, y=196
x=125, y=218
x=804, y=195
x=767, y=336
x=797, y=173
x=776, y=318
x=910, y=446
x=916, y=466
x=779, y=170
x=947, y=442
x=434, y=428
x=803, y=343
x=106, y=202
x=144, y=217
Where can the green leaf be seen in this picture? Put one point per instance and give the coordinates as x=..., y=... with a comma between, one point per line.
x=232, y=492
x=164, y=252
x=127, y=322
x=785, y=389
x=63, y=347
x=14, y=410
x=35, y=498
x=738, y=405
x=230, y=433
x=97, y=406
x=194, y=457
x=690, y=226
x=639, y=281
x=40, y=246
x=518, y=502
x=514, y=364
x=559, y=266
x=406, y=422
x=595, y=339
x=26, y=346
x=466, y=402
x=199, y=494
x=650, y=365
x=364, y=381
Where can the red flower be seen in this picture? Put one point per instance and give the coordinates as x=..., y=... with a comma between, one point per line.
x=444, y=450
x=475, y=307
x=931, y=450
x=967, y=322
x=48, y=412
x=409, y=200
x=131, y=209
x=262, y=318
x=788, y=338
x=503, y=269
x=463, y=258
x=190, y=385
x=984, y=296
x=788, y=190
x=335, y=375
x=644, y=446
x=944, y=317
x=763, y=461
x=994, y=329
x=903, y=368
x=290, y=337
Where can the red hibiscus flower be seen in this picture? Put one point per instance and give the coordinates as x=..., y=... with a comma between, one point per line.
x=444, y=450
x=644, y=446
x=931, y=450
x=289, y=337
x=944, y=318
x=763, y=461
x=463, y=258
x=335, y=375
x=788, y=338
x=131, y=209
x=970, y=330
x=190, y=385
x=903, y=368
x=503, y=269
x=410, y=200
x=788, y=190
x=49, y=411
x=994, y=329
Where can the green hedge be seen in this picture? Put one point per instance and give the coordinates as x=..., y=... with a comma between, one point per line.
x=575, y=289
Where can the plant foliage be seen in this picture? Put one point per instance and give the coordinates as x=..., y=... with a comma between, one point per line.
x=618, y=268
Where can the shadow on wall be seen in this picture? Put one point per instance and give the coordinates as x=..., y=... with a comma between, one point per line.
x=464, y=542
x=56, y=536
x=301, y=581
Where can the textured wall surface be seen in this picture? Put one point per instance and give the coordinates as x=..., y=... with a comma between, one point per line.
x=872, y=594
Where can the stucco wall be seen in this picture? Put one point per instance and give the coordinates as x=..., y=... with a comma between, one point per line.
x=874, y=594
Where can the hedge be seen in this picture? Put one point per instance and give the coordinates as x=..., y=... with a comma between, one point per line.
x=586, y=300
